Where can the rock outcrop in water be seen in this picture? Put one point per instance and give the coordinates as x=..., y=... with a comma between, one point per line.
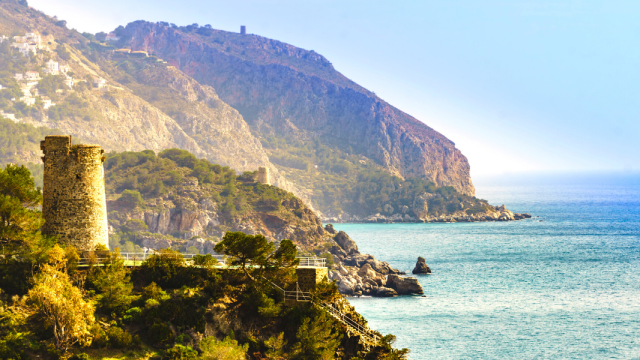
x=421, y=267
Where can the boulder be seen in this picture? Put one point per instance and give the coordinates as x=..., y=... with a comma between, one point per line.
x=421, y=267
x=346, y=287
x=343, y=271
x=382, y=267
x=345, y=242
x=329, y=228
x=366, y=272
x=385, y=292
x=388, y=209
x=404, y=286
x=357, y=260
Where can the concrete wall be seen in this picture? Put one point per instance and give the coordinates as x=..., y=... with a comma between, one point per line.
x=74, y=205
x=309, y=277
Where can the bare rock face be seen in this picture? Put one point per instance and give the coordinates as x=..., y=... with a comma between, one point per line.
x=281, y=89
x=421, y=267
x=329, y=228
x=421, y=205
x=345, y=242
x=404, y=285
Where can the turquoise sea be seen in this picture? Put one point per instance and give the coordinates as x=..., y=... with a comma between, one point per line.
x=566, y=287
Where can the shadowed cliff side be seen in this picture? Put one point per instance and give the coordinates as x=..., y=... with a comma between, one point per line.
x=281, y=89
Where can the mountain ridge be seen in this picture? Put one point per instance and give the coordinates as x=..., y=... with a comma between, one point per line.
x=282, y=96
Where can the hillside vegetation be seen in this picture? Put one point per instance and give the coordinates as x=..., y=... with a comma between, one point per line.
x=355, y=185
x=51, y=307
x=173, y=199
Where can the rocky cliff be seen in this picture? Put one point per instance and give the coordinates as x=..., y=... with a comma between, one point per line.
x=281, y=89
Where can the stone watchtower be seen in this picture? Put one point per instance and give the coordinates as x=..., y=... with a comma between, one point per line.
x=74, y=203
x=263, y=175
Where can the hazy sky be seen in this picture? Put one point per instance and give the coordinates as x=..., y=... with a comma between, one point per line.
x=517, y=85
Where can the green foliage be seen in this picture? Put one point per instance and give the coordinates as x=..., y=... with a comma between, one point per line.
x=243, y=249
x=119, y=338
x=49, y=84
x=19, y=138
x=113, y=284
x=160, y=334
x=275, y=346
x=227, y=349
x=343, y=181
x=20, y=217
x=131, y=199
x=386, y=351
x=317, y=339
x=166, y=267
x=180, y=352
x=63, y=53
x=81, y=356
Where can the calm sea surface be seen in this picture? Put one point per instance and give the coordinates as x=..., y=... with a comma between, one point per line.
x=567, y=287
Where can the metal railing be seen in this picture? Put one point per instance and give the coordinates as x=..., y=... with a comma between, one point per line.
x=101, y=257
x=135, y=257
x=312, y=262
x=368, y=336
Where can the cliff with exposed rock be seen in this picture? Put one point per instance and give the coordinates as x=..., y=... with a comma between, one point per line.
x=279, y=88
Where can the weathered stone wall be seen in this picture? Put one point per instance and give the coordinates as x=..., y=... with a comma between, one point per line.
x=263, y=175
x=74, y=205
x=309, y=277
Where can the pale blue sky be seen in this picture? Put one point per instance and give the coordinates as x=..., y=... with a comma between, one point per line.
x=517, y=85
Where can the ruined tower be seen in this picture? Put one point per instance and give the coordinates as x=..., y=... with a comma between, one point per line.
x=263, y=175
x=74, y=203
x=243, y=30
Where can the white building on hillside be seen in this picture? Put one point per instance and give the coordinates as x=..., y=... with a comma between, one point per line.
x=18, y=77
x=51, y=68
x=8, y=116
x=99, y=83
x=46, y=102
x=69, y=82
x=32, y=75
x=26, y=48
x=33, y=38
x=28, y=100
x=64, y=68
x=111, y=37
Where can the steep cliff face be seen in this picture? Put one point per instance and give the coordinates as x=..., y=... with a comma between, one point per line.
x=282, y=89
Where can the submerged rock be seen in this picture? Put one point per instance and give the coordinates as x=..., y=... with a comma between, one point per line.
x=421, y=267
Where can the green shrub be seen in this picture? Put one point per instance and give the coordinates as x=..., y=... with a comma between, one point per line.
x=160, y=334
x=132, y=315
x=180, y=352
x=131, y=199
x=119, y=338
x=227, y=349
x=81, y=356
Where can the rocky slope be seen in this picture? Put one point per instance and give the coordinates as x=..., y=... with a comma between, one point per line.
x=144, y=105
x=188, y=205
x=281, y=89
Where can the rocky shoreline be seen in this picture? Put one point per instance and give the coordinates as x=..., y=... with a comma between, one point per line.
x=358, y=274
x=498, y=213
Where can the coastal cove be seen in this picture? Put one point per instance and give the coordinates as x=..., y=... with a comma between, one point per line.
x=563, y=287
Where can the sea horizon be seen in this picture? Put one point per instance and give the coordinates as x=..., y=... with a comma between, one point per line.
x=563, y=284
